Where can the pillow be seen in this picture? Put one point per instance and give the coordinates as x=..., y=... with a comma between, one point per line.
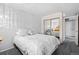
x=30, y=32
x=21, y=32
x=24, y=32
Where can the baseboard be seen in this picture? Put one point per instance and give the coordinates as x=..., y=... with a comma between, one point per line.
x=7, y=49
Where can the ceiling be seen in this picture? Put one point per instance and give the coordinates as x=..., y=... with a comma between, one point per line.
x=42, y=9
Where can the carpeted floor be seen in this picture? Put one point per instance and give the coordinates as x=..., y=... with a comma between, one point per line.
x=67, y=48
x=13, y=51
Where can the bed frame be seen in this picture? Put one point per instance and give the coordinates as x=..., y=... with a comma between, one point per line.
x=17, y=48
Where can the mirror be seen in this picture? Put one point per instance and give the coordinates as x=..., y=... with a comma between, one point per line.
x=52, y=27
x=55, y=27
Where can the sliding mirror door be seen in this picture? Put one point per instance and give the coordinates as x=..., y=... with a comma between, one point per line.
x=54, y=25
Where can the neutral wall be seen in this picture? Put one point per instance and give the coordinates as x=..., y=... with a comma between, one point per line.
x=19, y=19
x=28, y=21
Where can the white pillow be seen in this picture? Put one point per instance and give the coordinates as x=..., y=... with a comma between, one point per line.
x=30, y=32
x=21, y=32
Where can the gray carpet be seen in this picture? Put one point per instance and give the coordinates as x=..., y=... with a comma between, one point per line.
x=13, y=51
x=66, y=48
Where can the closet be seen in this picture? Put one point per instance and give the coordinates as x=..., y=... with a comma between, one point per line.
x=58, y=25
x=71, y=26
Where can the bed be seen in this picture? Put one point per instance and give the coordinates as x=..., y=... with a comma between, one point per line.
x=37, y=44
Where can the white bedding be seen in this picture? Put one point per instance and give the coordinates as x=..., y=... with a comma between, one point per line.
x=38, y=44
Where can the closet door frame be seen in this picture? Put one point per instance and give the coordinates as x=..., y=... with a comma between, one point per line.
x=78, y=30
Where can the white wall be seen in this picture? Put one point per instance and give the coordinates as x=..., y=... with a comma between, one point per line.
x=28, y=21
x=19, y=19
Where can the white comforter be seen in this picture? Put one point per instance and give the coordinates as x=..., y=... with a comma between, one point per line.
x=38, y=44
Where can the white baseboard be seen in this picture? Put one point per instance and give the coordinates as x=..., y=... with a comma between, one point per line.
x=7, y=49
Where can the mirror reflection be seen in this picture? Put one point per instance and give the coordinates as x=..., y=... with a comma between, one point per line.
x=52, y=27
